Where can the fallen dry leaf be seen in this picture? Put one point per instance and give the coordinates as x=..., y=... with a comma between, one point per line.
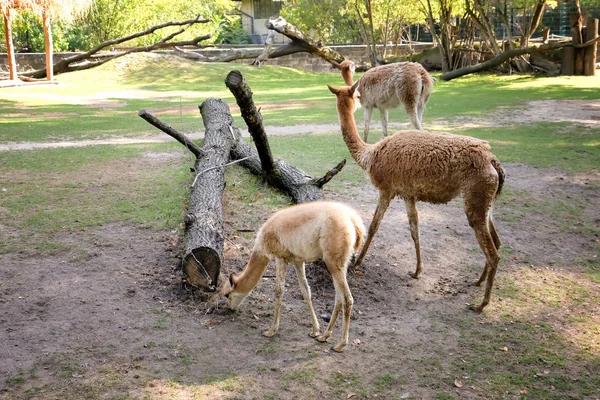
x=350, y=395
x=359, y=273
x=524, y=390
x=504, y=348
x=458, y=383
x=356, y=341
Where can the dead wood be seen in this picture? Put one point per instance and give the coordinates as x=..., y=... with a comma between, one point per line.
x=300, y=186
x=91, y=58
x=305, y=43
x=169, y=130
x=505, y=56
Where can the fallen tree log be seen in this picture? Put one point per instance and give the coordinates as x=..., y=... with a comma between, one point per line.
x=203, y=231
x=501, y=58
x=300, y=186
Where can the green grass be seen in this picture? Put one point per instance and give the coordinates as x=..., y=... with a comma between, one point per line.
x=563, y=145
x=54, y=190
x=103, y=102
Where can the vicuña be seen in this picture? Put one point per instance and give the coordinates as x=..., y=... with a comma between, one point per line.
x=305, y=232
x=389, y=86
x=434, y=167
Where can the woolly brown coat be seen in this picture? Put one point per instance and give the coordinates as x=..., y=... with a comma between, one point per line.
x=428, y=166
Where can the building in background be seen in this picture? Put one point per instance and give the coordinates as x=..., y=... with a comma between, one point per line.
x=254, y=15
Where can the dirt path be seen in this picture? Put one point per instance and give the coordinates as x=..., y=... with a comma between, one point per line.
x=583, y=112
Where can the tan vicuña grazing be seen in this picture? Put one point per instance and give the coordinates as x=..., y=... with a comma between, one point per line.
x=428, y=166
x=389, y=86
x=305, y=232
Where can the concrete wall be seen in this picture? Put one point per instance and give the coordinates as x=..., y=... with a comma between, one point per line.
x=303, y=61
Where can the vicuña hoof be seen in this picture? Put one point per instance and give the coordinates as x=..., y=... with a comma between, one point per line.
x=476, y=283
x=477, y=309
x=269, y=333
x=413, y=275
x=322, y=338
x=338, y=348
x=314, y=334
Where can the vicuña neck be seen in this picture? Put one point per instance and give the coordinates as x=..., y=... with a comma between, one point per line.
x=254, y=270
x=347, y=77
x=351, y=136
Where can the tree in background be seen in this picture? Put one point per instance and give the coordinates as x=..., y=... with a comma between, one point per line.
x=369, y=22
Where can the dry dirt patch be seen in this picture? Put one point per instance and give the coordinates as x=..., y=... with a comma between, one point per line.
x=112, y=318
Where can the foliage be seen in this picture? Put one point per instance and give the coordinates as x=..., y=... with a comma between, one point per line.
x=111, y=19
x=332, y=21
x=230, y=31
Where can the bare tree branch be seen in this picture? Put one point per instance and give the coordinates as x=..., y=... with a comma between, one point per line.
x=83, y=59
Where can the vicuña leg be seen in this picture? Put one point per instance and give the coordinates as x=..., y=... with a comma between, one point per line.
x=495, y=237
x=334, y=314
x=420, y=110
x=279, y=289
x=383, y=112
x=413, y=114
x=343, y=291
x=368, y=115
x=479, y=220
x=382, y=205
x=413, y=220
x=305, y=289
x=497, y=244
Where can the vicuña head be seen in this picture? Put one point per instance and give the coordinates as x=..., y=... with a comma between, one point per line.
x=428, y=166
x=305, y=232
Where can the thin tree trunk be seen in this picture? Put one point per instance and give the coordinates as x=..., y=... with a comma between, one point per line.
x=10, y=47
x=591, y=52
x=49, y=45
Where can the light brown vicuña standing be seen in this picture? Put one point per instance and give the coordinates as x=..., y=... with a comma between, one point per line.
x=428, y=166
x=389, y=86
x=305, y=232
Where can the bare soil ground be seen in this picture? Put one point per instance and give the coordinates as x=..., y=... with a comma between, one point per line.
x=112, y=320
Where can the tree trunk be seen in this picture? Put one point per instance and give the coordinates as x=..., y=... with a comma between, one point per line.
x=576, y=20
x=591, y=52
x=48, y=44
x=568, y=61
x=10, y=48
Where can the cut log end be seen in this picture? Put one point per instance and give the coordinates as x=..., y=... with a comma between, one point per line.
x=201, y=268
x=234, y=79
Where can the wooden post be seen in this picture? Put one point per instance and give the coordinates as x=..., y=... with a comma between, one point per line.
x=10, y=48
x=591, y=52
x=49, y=46
x=568, y=61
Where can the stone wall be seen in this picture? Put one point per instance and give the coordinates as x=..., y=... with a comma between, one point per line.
x=303, y=61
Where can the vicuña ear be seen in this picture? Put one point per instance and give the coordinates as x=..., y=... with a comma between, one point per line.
x=333, y=90
x=354, y=87
x=232, y=281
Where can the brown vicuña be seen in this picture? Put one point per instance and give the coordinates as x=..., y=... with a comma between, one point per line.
x=305, y=232
x=434, y=167
x=388, y=86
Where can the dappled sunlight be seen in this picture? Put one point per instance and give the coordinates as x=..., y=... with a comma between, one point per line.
x=567, y=301
x=171, y=390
